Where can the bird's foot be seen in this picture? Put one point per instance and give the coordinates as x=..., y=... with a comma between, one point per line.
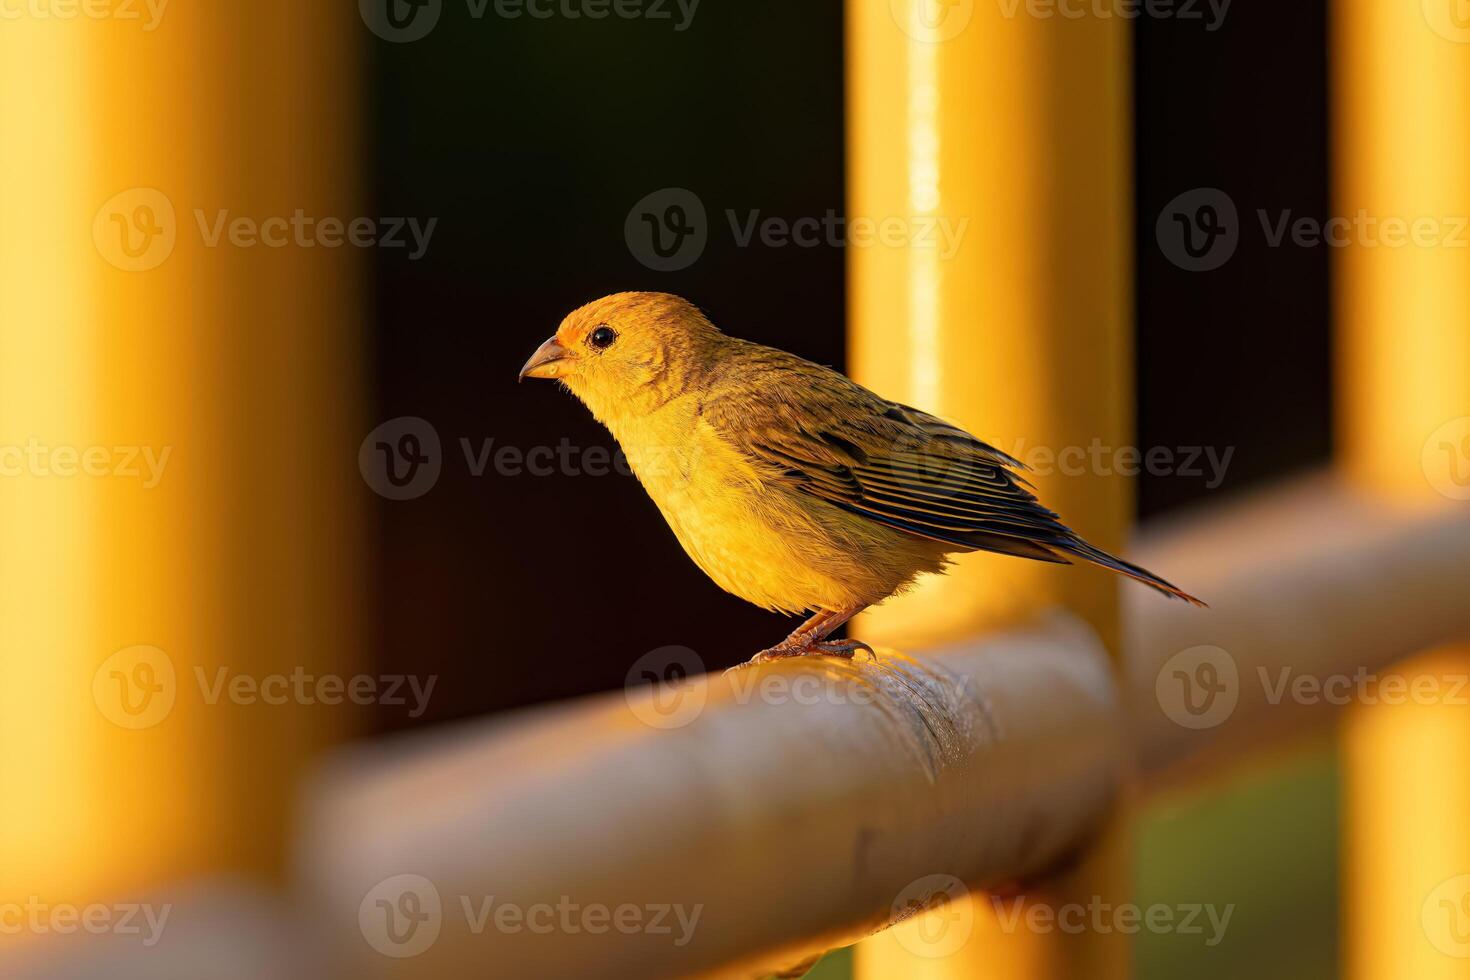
x=806, y=646
x=843, y=648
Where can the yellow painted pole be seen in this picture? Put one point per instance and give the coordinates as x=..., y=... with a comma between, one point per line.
x=1402, y=125
x=1406, y=851
x=995, y=147
x=179, y=420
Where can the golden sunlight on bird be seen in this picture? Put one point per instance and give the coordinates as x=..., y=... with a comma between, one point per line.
x=789, y=484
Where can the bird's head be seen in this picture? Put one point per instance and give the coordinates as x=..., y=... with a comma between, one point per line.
x=627, y=353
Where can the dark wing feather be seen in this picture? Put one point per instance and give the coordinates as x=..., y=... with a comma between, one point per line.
x=814, y=430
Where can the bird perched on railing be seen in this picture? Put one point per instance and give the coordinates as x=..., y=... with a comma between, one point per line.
x=790, y=485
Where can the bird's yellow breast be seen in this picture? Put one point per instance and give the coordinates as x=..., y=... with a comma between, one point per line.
x=767, y=544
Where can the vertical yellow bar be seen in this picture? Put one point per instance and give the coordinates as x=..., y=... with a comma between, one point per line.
x=1401, y=88
x=1001, y=141
x=1406, y=852
x=179, y=418
x=49, y=370
x=1402, y=127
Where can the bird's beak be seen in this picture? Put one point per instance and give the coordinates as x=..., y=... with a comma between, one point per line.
x=549, y=361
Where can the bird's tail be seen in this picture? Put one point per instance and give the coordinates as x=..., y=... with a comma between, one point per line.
x=1138, y=573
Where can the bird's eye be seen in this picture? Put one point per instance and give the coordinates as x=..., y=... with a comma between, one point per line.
x=602, y=337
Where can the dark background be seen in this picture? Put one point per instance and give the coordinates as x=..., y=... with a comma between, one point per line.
x=1238, y=356
x=531, y=140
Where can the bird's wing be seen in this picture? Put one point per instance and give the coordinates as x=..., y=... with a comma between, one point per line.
x=815, y=431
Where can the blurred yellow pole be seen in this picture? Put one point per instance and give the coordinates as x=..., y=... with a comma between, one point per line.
x=1406, y=852
x=179, y=423
x=1402, y=125
x=994, y=148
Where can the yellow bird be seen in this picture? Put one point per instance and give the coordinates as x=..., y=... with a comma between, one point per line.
x=790, y=485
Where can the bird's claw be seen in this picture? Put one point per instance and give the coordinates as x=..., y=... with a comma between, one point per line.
x=845, y=649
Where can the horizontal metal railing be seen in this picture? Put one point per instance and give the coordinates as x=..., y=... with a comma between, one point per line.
x=791, y=804
x=795, y=804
